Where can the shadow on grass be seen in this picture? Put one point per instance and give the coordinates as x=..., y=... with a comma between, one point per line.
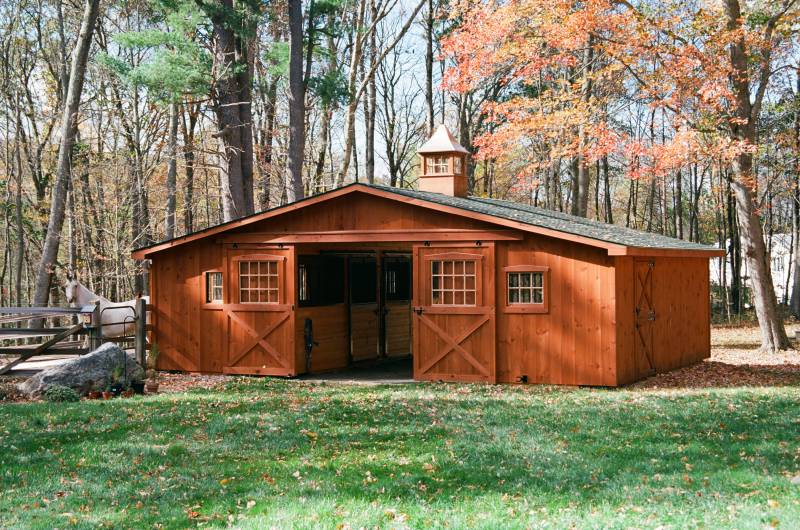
x=416, y=446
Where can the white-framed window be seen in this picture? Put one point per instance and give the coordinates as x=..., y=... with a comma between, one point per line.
x=214, y=290
x=438, y=165
x=526, y=287
x=453, y=282
x=457, y=165
x=258, y=282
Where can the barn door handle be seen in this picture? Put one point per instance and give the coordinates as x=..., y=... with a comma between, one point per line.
x=651, y=315
x=418, y=310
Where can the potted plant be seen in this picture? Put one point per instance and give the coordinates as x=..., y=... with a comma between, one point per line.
x=117, y=384
x=107, y=392
x=137, y=387
x=94, y=394
x=152, y=372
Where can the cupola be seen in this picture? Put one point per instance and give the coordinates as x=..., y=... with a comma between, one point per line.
x=443, y=164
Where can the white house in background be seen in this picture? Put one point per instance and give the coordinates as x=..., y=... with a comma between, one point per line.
x=780, y=261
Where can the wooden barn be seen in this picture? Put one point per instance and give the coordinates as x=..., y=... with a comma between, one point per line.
x=467, y=288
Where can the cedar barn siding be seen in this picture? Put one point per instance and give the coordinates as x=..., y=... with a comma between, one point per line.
x=587, y=335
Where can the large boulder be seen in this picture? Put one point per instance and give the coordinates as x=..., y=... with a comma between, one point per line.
x=93, y=371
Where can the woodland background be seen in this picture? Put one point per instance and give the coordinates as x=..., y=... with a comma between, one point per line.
x=192, y=112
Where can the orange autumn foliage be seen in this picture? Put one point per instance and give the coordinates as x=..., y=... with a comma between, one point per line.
x=670, y=56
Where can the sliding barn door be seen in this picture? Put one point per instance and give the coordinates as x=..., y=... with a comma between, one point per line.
x=454, y=314
x=260, y=313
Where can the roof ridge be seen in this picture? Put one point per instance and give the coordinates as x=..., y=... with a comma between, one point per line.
x=567, y=217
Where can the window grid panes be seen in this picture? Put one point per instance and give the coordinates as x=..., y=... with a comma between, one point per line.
x=453, y=282
x=457, y=165
x=302, y=281
x=213, y=287
x=525, y=288
x=438, y=165
x=258, y=282
x=391, y=282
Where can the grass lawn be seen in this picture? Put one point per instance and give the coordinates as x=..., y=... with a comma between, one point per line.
x=270, y=453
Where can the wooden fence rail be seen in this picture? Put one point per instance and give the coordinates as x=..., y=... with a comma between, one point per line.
x=89, y=324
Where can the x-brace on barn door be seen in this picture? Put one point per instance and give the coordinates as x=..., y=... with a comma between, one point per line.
x=645, y=317
x=259, y=310
x=454, y=313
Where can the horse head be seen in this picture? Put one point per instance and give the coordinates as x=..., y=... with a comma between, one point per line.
x=71, y=287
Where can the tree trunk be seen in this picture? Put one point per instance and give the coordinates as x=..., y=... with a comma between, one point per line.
x=429, y=66
x=352, y=103
x=734, y=251
x=679, y=205
x=193, y=111
x=580, y=197
x=20, y=227
x=172, y=171
x=69, y=129
x=607, y=190
x=795, y=298
x=269, y=134
x=747, y=109
x=465, y=139
x=62, y=52
x=773, y=333
x=326, y=111
x=297, y=110
x=371, y=98
x=233, y=58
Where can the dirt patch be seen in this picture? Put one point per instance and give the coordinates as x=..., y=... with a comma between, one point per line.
x=736, y=360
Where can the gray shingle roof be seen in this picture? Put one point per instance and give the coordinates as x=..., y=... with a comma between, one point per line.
x=513, y=211
x=561, y=222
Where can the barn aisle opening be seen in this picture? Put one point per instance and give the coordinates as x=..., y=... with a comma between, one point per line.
x=354, y=305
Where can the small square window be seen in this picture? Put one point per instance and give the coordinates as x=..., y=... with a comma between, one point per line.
x=438, y=165
x=453, y=282
x=213, y=287
x=258, y=282
x=525, y=287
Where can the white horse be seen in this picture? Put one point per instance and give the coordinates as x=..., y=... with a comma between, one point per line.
x=117, y=318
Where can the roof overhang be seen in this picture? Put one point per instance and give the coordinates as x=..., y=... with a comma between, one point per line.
x=613, y=249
